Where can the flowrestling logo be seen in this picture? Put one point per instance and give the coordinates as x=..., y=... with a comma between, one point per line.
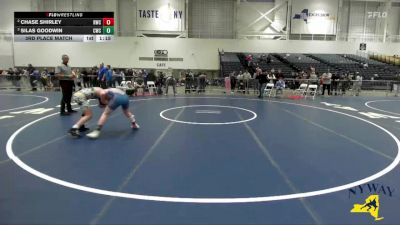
x=306, y=15
x=377, y=15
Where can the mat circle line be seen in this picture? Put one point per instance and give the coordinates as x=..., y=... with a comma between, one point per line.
x=203, y=123
x=26, y=106
x=367, y=105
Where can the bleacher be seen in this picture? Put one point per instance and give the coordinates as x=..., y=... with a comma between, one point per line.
x=275, y=64
x=289, y=63
x=230, y=63
x=383, y=70
x=303, y=63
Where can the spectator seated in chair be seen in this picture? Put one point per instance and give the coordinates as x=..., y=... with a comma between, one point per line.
x=139, y=84
x=280, y=86
x=128, y=87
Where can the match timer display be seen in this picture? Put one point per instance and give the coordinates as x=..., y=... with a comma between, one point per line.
x=63, y=26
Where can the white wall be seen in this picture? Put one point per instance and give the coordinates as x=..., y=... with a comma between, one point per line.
x=211, y=18
x=197, y=53
x=247, y=13
x=394, y=20
x=7, y=8
x=127, y=17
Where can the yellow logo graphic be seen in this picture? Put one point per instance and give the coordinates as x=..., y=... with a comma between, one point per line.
x=371, y=206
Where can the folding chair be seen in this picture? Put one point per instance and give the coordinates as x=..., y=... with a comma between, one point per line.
x=151, y=86
x=301, y=90
x=312, y=90
x=268, y=89
x=125, y=85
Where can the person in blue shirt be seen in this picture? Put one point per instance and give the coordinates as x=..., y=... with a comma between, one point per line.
x=109, y=77
x=35, y=77
x=145, y=75
x=100, y=75
x=280, y=86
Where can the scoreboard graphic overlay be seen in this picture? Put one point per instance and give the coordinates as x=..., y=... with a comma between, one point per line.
x=63, y=26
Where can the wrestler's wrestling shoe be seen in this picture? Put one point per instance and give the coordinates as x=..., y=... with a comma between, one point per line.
x=134, y=125
x=74, y=132
x=83, y=129
x=94, y=134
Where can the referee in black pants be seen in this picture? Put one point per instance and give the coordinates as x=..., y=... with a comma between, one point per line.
x=66, y=77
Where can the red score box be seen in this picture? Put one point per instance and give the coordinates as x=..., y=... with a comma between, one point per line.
x=108, y=21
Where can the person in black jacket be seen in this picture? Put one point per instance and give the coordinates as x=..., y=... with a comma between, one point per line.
x=32, y=77
x=335, y=83
x=85, y=78
x=262, y=80
x=233, y=82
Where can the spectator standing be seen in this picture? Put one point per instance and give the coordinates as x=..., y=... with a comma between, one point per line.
x=101, y=76
x=246, y=81
x=188, y=81
x=108, y=77
x=118, y=74
x=357, y=84
x=240, y=83
x=32, y=81
x=145, y=77
x=304, y=75
x=35, y=77
x=249, y=59
x=256, y=73
x=233, y=82
x=44, y=78
x=85, y=78
x=15, y=78
x=297, y=79
x=159, y=83
x=397, y=83
x=313, y=77
x=78, y=80
x=129, y=75
x=312, y=69
x=262, y=80
x=271, y=77
x=335, y=83
x=202, y=83
x=170, y=81
x=93, y=76
x=326, y=82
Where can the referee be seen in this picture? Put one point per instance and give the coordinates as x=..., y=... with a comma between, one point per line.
x=66, y=77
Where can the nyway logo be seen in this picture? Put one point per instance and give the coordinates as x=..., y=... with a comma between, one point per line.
x=305, y=15
x=371, y=204
x=302, y=16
